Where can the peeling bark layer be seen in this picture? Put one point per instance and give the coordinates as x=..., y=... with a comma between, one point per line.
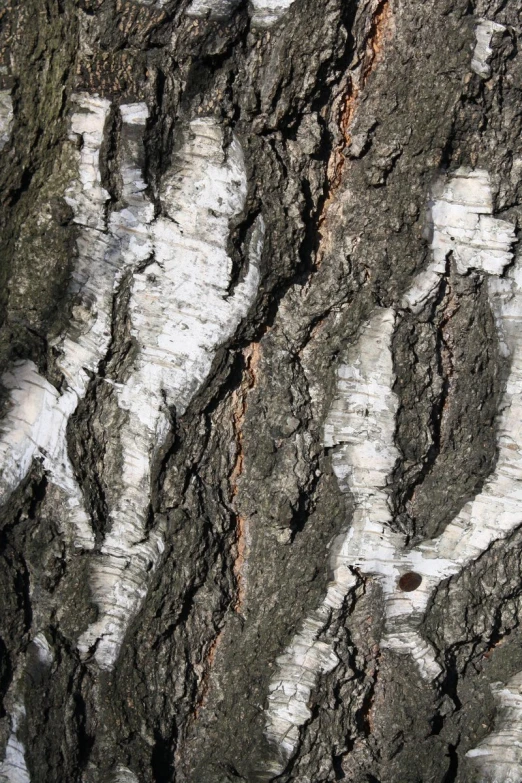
x=260, y=489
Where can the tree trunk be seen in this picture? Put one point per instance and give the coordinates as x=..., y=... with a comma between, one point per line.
x=261, y=348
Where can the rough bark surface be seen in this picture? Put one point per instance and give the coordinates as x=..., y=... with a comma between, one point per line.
x=261, y=361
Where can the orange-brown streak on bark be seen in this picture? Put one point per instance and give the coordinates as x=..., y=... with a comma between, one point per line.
x=338, y=160
x=252, y=356
x=374, y=51
x=376, y=39
x=493, y=646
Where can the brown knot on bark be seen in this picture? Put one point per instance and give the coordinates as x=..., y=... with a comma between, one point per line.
x=410, y=581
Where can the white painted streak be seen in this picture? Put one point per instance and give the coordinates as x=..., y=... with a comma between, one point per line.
x=6, y=117
x=360, y=430
x=499, y=756
x=482, y=53
x=180, y=312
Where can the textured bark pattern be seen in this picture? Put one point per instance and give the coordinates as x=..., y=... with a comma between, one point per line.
x=260, y=497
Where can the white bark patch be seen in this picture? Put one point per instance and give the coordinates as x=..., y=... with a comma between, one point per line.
x=13, y=769
x=35, y=428
x=464, y=226
x=29, y=424
x=6, y=117
x=43, y=649
x=461, y=223
x=290, y=690
x=360, y=429
x=497, y=509
x=214, y=9
x=484, y=246
x=484, y=33
x=181, y=312
x=124, y=775
x=499, y=756
x=36, y=424
x=104, y=251
x=361, y=424
x=267, y=13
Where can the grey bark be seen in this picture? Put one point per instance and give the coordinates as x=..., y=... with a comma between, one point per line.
x=347, y=113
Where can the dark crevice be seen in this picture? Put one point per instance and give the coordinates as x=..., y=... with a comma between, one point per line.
x=6, y=674
x=85, y=450
x=109, y=163
x=162, y=757
x=187, y=605
x=337, y=766
x=14, y=195
x=22, y=584
x=305, y=502
x=38, y=492
x=238, y=249
x=86, y=454
x=450, y=682
x=313, y=208
x=453, y=766
x=85, y=739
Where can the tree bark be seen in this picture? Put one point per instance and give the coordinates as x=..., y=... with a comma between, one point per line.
x=261, y=391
